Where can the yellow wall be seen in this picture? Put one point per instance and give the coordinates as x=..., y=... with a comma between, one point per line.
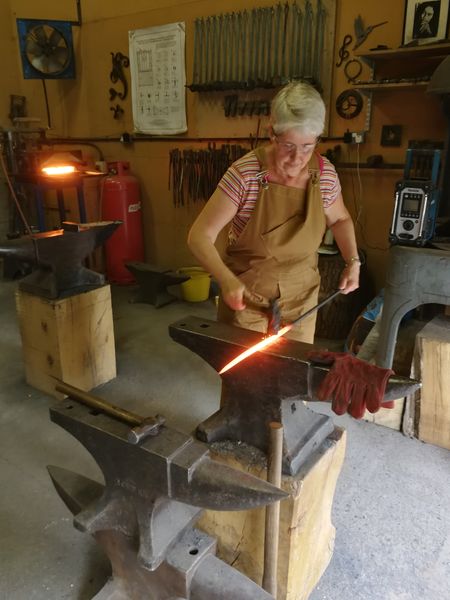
x=81, y=108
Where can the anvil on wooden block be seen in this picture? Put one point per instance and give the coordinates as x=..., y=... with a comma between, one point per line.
x=268, y=386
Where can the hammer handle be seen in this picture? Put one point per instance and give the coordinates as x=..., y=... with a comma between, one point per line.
x=99, y=404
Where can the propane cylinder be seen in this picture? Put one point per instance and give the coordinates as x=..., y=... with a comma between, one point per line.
x=121, y=201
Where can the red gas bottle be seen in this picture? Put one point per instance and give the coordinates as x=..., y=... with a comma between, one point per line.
x=121, y=201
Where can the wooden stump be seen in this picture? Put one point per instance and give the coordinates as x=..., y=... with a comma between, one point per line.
x=306, y=533
x=432, y=367
x=71, y=339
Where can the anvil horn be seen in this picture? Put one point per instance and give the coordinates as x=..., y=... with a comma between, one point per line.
x=220, y=487
x=76, y=491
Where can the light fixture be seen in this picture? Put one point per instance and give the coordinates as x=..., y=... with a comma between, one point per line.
x=66, y=164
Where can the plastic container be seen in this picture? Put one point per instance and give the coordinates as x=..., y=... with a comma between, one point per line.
x=195, y=289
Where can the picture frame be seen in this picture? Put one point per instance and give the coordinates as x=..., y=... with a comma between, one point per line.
x=391, y=135
x=425, y=21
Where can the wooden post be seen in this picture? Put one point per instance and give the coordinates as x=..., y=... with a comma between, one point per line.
x=272, y=528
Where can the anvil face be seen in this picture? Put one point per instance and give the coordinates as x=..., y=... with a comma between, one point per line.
x=268, y=386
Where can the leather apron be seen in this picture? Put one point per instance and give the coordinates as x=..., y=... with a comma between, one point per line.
x=276, y=254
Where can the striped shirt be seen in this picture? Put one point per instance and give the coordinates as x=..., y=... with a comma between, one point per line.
x=241, y=185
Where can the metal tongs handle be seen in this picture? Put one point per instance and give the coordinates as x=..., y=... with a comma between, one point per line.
x=316, y=307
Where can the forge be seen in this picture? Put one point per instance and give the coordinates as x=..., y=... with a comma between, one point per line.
x=271, y=385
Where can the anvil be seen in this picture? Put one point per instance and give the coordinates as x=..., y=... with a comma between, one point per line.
x=190, y=569
x=57, y=258
x=268, y=386
x=156, y=489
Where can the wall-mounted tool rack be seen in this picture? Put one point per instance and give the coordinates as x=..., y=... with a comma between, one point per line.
x=264, y=47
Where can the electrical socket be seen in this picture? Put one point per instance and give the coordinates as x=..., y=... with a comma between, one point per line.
x=357, y=137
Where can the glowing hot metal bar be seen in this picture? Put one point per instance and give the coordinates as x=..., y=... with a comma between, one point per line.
x=268, y=341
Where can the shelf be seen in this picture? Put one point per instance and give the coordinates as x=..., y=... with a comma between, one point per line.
x=401, y=85
x=424, y=51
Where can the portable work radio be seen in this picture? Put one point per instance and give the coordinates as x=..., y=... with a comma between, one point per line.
x=416, y=199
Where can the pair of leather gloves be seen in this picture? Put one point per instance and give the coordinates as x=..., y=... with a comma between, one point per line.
x=352, y=384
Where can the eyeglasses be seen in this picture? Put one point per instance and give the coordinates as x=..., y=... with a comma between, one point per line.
x=290, y=148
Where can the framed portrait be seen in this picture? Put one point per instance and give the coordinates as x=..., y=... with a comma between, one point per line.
x=425, y=21
x=391, y=135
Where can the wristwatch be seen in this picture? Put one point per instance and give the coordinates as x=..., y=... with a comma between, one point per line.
x=352, y=260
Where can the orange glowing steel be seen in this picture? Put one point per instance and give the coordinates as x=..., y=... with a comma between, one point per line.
x=256, y=348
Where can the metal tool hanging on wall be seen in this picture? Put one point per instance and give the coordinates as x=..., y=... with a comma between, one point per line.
x=194, y=174
x=119, y=63
x=259, y=48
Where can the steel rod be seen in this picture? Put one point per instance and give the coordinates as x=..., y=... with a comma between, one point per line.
x=272, y=528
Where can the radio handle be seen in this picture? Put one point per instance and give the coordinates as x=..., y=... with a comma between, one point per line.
x=394, y=220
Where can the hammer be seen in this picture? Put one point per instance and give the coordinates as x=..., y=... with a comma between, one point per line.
x=274, y=313
x=142, y=427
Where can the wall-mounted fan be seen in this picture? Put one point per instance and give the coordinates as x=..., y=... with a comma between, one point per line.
x=46, y=49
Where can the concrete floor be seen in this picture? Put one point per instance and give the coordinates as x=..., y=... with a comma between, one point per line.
x=391, y=508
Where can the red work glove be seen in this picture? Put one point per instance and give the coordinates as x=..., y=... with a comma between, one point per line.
x=352, y=384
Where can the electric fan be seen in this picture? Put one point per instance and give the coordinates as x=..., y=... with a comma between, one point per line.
x=46, y=49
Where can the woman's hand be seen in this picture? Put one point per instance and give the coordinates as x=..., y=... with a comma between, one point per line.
x=233, y=291
x=350, y=278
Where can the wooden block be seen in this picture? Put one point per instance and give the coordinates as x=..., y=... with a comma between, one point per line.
x=432, y=367
x=70, y=338
x=306, y=533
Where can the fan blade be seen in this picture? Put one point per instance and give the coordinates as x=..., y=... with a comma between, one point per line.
x=55, y=38
x=40, y=63
x=60, y=56
x=54, y=65
x=33, y=48
x=38, y=33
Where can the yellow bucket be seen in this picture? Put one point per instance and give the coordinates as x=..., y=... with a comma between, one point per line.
x=195, y=289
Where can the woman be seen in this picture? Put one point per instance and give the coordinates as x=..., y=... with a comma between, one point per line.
x=279, y=199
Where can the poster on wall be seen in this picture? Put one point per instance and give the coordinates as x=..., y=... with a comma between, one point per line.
x=158, y=79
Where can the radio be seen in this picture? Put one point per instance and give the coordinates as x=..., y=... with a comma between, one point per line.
x=416, y=199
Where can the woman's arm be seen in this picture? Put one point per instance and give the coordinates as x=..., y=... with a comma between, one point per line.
x=341, y=225
x=217, y=213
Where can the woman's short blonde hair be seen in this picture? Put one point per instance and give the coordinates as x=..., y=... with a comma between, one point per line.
x=298, y=106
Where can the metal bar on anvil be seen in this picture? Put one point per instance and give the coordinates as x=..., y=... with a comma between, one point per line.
x=268, y=386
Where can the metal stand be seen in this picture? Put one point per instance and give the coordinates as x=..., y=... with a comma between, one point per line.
x=59, y=186
x=416, y=276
